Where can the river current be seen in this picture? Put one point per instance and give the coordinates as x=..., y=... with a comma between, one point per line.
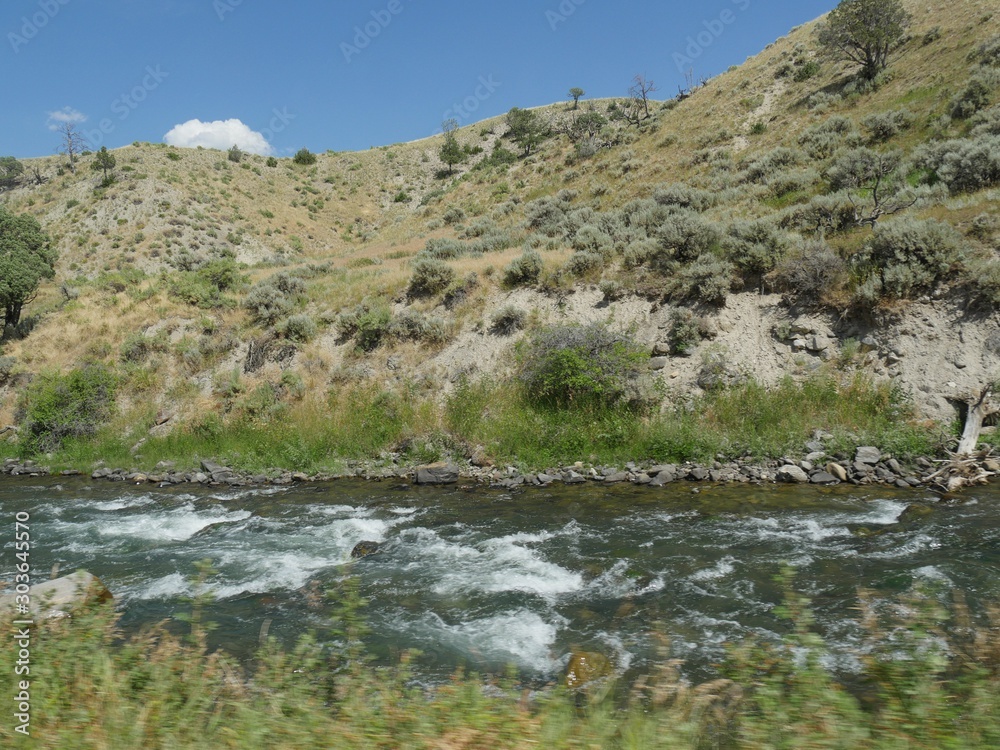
x=487, y=579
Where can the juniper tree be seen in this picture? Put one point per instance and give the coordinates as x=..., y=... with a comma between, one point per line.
x=865, y=32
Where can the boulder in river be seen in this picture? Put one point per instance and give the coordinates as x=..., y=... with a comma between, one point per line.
x=60, y=596
x=363, y=549
x=585, y=667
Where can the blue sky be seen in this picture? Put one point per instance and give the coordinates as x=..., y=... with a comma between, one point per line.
x=276, y=77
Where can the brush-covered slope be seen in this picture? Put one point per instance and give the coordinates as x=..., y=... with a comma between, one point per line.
x=780, y=218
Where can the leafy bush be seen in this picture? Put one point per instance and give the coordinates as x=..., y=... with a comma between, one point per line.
x=300, y=328
x=835, y=213
x=509, y=319
x=754, y=247
x=905, y=257
x=685, y=196
x=430, y=276
x=453, y=215
x=884, y=126
x=807, y=70
x=368, y=323
x=234, y=154
x=593, y=240
x=57, y=407
x=685, y=331
x=304, y=157
x=6, y=368
x=274, y=297
x=584, y=263
x=822, y=140
x=577, y=365
x=792, y=181
x=271, y=161
x=982, y=277
x=965, y=165
x=809, y=272
x=974, y=97
x=707, y=279
x=411, y=325
x=444, y=248
x=760, y=169
x=682, y=237
x=524, y=270
x=545, y=215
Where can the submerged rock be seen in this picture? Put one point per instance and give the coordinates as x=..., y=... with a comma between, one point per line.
x=585, y=667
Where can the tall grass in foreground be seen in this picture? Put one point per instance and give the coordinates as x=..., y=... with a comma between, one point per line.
x=321, y=431
x=928, y=679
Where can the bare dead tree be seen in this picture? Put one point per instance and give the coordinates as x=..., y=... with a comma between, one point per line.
x=966, y=466
x=639, y=93
x=71, y=143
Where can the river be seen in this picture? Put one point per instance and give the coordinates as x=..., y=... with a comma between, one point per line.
x=486, y=579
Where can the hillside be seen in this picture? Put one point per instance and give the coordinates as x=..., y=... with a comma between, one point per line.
x=781, y=219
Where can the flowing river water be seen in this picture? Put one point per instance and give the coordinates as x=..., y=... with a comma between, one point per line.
x=488, y=579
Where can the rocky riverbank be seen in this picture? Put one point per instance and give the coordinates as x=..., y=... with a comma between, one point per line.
x=867, y=466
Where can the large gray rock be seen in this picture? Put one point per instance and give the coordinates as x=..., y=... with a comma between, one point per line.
x=60, y=596
x=792, y=473
x=868, y=455
x=439, y=473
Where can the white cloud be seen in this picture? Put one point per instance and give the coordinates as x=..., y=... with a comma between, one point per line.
x=220, y=134
x=66, y=115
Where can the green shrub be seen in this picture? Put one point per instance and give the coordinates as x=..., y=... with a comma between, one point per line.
x=807, y=70
x=754, y=247
x=809, y=272
x=682, y=237
x=884, y=126
x=453, y=215
x=57, y=407
x=974, y=97
x=835, y=213
x=707, y=279
x=760, y=169
x=982, y=280
x=685, y=331
x=301, y=328
x=368, y=323
x=577, y=365
x=685, y=196
x=304, y=157
x=905, y=257
x=271, y=161
x=593, y=240
x=6, y=368
x=430, y=276
x=274, y=297
x=965, y=165
x=545, y=215
x=524, y=270
x=411, y=325
x=445, y=248
x=584, y=263
x=823, y=139
x=234, y=154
